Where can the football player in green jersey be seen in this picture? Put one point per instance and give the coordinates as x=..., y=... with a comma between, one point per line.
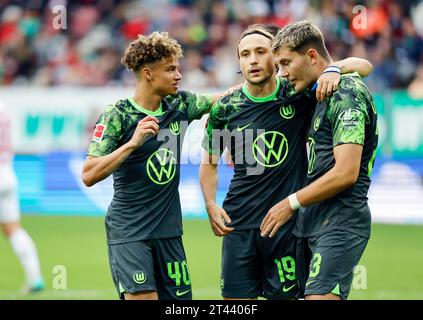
x=138, y=140
x=268, y=121
x=333, y=221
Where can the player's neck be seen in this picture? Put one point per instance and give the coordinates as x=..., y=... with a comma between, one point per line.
x=147, y=98
x=261, y=90
x=321, y=65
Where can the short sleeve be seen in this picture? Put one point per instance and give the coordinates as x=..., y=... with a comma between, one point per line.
x=212, y=141
x=107, y=133
x=348, y=116
x=196, y=105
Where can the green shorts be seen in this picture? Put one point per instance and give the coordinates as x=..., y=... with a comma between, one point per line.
x=151, y=265
x=254, y=266
x=326, y=262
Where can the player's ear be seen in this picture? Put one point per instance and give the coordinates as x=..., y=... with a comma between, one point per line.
x=312, y=55
x=146, y=73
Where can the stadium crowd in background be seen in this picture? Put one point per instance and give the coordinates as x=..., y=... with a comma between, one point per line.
x=86, y=53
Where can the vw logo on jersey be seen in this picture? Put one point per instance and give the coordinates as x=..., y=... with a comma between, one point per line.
x=270, y=148
x=161, y=166
x=287, y=112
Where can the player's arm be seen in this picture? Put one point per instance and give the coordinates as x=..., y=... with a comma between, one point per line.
x=99, y=168
x=208, y=181
x=211, y=143
x=328, y=82
x=342, y=176
x=348, y=135
x=201, y=104
x=354, y=64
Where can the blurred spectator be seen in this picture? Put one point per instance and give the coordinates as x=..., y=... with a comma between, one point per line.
x=415, y=89
x=87, y=53
x=194, y=75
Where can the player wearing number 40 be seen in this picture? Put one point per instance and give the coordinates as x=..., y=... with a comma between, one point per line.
x=271, y=120
x=143, y=222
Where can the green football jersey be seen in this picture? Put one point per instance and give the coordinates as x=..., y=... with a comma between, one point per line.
x=348, y=117
x=146, y=201
x=267, y=140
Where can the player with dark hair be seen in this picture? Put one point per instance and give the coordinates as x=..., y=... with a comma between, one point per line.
x=139, y=140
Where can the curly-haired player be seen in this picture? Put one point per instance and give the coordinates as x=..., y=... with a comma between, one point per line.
x=138, y=140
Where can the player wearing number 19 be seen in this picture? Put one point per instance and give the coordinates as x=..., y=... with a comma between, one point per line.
x=333, y=224
x=270, y=120
x=143, y=222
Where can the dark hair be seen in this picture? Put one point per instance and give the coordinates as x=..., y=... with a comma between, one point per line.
x=254, y=29
x=270, y=28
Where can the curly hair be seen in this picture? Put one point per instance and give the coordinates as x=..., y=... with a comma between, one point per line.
x=150, y=49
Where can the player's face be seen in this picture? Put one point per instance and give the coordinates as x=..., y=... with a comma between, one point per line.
x=255, y=59
x=165, y=76
x=296, y=67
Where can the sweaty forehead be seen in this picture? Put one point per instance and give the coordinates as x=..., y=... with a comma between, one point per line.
x=253, y=41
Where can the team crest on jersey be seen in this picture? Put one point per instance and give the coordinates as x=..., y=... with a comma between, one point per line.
x=316, y=123
x=139, y=277
x=287, y=112
x=175, y=128
x=99, y=132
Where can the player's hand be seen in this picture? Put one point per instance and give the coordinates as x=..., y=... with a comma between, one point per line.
x=217, y=218
x=327, y=83
x=147, y=126
x=277, y=216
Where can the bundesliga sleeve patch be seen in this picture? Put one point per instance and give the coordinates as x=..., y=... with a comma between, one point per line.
x=350, y=118
x=99, y=132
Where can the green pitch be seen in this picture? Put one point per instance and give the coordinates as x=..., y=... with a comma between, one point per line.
x=392, y=261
